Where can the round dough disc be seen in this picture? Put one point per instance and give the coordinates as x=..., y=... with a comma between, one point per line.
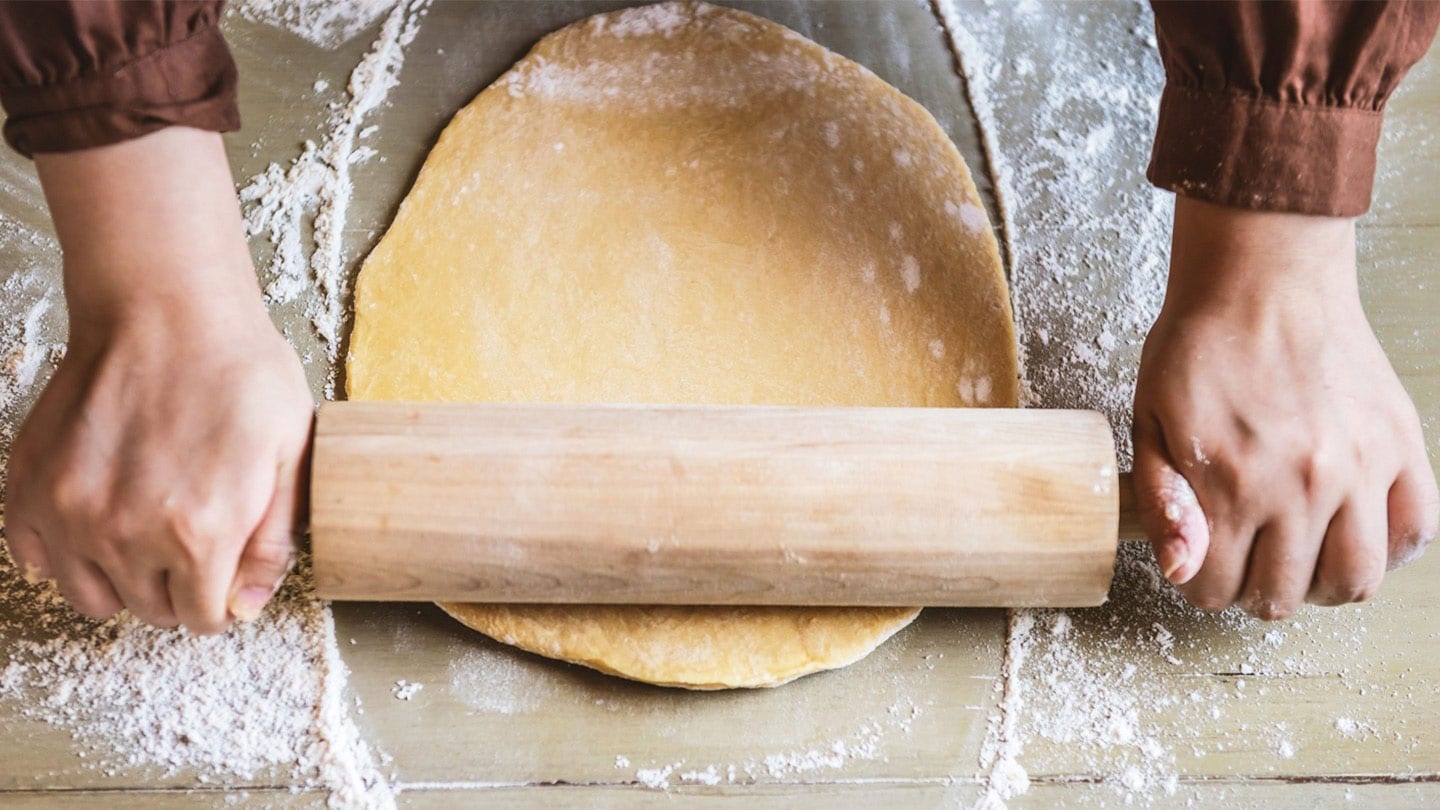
x=688, y=204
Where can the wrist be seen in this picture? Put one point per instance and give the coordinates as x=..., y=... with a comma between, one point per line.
x=150, y=228
x=1235, y=254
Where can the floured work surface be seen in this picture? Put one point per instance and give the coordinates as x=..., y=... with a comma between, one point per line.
x=1107, y=704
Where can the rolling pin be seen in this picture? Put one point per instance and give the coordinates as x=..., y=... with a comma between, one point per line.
x=715, y=505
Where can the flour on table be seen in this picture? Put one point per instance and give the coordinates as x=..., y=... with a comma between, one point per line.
x=30, y=311
x=326, y=23
x=498, y=681
x=262, y=700
x=312, y=195
x=866, y=743
x=1067, y=131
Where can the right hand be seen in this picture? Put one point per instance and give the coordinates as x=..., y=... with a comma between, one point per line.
x=162, y=468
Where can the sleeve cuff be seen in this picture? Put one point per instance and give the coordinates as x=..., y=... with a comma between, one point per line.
x=1247, y=152
x=188, y=83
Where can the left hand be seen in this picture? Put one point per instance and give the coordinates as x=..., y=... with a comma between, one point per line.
x=1278, y=459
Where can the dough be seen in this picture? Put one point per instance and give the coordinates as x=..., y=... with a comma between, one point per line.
x=687, y=204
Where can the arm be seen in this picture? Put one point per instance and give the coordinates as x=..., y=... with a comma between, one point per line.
x=160, y=468
x=1278, y=457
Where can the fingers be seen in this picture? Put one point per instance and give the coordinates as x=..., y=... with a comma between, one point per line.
x=86, y=587
x=1169, y=510
x=1281, y=568
x=1413, y=509
x=199, y=584
x=270, y=552
x=28, y=552
x=1218, y=583
x=1352, y=559
x=145, y=593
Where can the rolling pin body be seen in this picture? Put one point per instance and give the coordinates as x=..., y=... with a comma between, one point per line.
x=713, y=505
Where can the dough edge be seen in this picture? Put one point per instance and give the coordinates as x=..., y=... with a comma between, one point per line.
x=500, y=623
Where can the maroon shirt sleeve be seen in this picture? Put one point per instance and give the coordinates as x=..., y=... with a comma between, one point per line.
x=79, y=74
x=1278, y=105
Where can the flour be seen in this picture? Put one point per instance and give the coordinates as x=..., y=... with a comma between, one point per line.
x=1067, y=131
x=613, y=84
x=326, y=23
x=29, y=313
x=315, y=189
x=865, y=743
x=405, y=690
x=263, y=700
x=495, y=681
x=1003, y=775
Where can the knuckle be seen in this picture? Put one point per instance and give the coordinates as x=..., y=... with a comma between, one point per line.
x=1348, y=589
x=93, y=608
x=157, y=617
x=191, y=529
x=1269, y=610
x=1362, y=590
x=74, y=498
x=1318, y=474
x=128, y=527
x=271, y=554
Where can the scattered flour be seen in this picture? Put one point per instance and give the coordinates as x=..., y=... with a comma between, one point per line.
x=263, y=700
x=405, y=690
x=326, y=23
x=27, y=314
x=1068, y=140
x=865, y=743
x=496, y=681
x=316, y=189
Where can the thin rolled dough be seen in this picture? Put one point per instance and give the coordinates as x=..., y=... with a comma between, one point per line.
x=688, y=204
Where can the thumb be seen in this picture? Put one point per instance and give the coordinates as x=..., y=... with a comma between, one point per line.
x=270, y=552
x=1169, y=510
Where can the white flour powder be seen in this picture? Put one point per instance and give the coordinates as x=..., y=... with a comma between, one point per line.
x=326, y=23
x=263, y=701
x=315, y=190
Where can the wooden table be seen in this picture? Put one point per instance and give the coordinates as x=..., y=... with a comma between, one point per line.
x=498, y=728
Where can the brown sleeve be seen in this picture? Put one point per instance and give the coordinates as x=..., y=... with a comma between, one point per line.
x=80, y=73
x=1277, y=105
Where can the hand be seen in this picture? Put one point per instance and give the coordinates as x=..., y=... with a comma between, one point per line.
x=161, y=468
x=1278, y=460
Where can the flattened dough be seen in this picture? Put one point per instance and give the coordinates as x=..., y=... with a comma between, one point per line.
x=687, y=204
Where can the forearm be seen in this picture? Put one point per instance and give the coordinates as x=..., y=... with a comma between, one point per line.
x=1219, y=252
x=150, y=225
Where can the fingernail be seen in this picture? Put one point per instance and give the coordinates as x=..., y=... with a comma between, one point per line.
x=1179, y=555
x=247, y=602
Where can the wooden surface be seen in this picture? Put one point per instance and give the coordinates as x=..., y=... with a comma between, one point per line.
x=1262, y=732
x=709, y=505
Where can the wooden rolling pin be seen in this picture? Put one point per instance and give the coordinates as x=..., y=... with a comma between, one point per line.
x=715, y=505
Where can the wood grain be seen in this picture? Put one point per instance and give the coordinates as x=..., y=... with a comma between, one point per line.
x=712, y=505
